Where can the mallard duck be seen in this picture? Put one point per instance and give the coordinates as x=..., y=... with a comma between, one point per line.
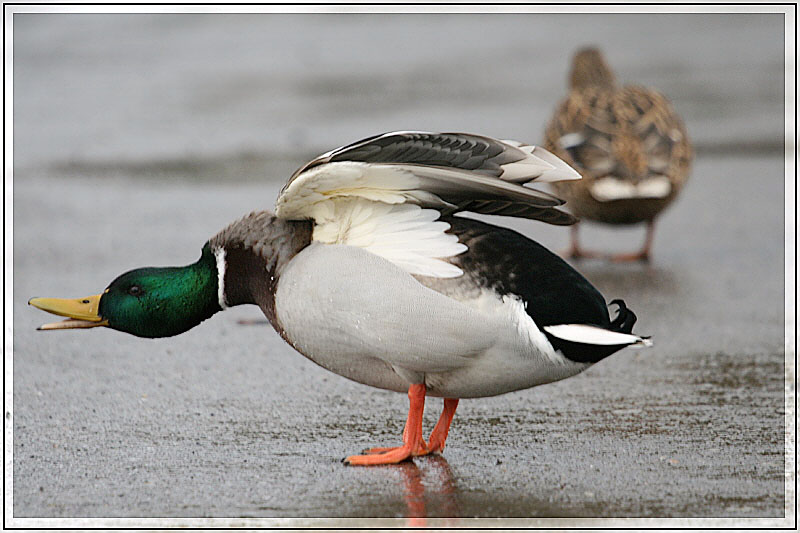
x=365, y=269
x=628, y=143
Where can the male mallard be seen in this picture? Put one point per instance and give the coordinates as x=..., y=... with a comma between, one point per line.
x=365, y=270
x=627, y=142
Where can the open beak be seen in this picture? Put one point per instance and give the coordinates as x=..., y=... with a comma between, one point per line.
x=82, y=312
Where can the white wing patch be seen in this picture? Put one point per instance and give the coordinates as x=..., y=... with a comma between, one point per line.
x=586, y=334
x=378, y=206
x=373, y=207
x=405, y=234
x=380, y=183
x=611, y=188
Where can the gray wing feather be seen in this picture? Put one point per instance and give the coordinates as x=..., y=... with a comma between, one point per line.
x=449, y=150
x=457, y=186
x=516, y=209
x=463, y=171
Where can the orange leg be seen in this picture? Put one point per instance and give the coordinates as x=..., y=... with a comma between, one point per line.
x=644, y=253
x=439, y=433
x=413, y=444
x=575, y=251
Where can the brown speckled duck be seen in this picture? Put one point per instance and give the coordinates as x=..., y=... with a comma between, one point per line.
x=628, y=144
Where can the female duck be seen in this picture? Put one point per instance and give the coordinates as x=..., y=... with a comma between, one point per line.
x=365, y=270
x=628, y=143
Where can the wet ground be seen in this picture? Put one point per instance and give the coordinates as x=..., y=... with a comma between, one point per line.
x=227, y=421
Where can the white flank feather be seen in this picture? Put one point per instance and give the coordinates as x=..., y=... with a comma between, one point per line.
x=586, y=334
x=528, y=329
x=611, y=188
x=571, y=140
x=608, y=189
x=655, y=187
x=404, y=234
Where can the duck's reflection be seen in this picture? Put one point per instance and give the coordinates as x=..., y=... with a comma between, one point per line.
x=414, y=493
x=429, y=489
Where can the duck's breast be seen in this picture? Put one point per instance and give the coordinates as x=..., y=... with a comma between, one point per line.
x=366, y=319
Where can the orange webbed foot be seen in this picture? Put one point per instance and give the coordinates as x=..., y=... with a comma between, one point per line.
x=420, y=450
x=373, y=451
x=413, y=443
x=631, y=258
x=388, y=456
x=580, y=253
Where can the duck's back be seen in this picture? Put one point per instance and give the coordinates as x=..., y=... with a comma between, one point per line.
x=508, y=263
x=630, y=146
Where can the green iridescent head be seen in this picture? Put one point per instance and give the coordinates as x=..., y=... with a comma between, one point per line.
x=146, y=302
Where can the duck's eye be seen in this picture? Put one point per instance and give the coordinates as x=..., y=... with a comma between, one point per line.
x=135, y=290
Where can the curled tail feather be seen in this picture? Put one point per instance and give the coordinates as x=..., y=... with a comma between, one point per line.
x=625, y=318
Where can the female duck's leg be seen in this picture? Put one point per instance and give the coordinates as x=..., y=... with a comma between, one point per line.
x=644, y=253
x=412, y=435
x=575, y=251
x=439, y=433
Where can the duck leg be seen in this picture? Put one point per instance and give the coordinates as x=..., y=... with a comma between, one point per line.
x=644, y=253
x=413, y=444
x=575, y=251
x=439, y=433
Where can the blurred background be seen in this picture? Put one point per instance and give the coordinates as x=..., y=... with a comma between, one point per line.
x=138, y=137
x=124, y=93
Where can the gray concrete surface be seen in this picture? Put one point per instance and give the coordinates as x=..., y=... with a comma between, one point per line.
x=227, y=421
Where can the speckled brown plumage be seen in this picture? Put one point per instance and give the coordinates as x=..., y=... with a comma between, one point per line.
x=631, y=133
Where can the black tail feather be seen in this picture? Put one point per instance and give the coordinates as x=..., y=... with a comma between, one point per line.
x=625, y=318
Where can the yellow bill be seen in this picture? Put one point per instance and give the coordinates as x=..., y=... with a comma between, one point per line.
x=82, y=312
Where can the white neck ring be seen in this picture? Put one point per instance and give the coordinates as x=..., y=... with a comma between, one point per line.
x=219, y=253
